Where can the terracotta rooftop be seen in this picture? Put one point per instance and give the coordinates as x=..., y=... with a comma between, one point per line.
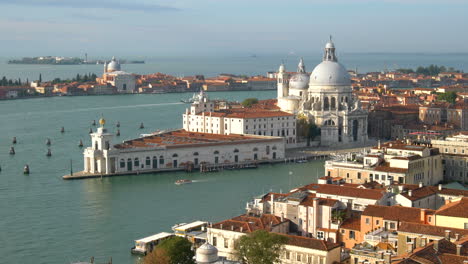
x=439, y=231
x=347, y=191
x=312, y=243
x=395, y=213
x=445, y=254
x=353, y=223
x=182, y=138
x=455, y=209
x=250, y=224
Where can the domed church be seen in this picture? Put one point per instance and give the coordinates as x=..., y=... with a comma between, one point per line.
x=325, y=97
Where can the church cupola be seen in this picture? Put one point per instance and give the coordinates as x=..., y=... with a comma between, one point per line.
x=301, y=66
x=330, y=51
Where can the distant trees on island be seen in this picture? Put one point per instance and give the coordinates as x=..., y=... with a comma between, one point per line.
x=430, y=70
x=11, y=82
x=47, y=60
x=90, y=77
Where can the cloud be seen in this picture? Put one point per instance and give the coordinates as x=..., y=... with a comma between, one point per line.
x=92, y=4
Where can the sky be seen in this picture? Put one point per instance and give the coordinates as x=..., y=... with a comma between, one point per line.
x=212, y=27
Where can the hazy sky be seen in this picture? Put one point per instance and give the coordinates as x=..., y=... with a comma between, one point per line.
x=182, y=27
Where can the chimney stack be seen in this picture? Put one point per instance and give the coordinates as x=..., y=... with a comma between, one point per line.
x=459, y=247
x=388, y=258
x=420, y=184
x=440, y=187
x=232, y=228
x=241, y=229
x=423, y=216
x=272, y=204
x=410, y=193
x=457, y=237
x=282, y=217
x=447, y=234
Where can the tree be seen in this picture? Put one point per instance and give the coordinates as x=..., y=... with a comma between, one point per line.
x=260, y=247
x=40, y=77
x=306, y=129
x=157, y=256
x=176, y=250
x=249, y=102
x=449, y=97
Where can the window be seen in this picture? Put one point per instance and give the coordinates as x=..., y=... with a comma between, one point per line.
x=226, y=243
x=161, y=160
x=367, y=221
x=377, y=222
x=352, y=235
x=466, y=225
x=122, y=163
x=287, y=255
x=214, y=241
x=136, y=163
x=148, y=161
x=320, y=235
x=298, y=257
x=359, y=175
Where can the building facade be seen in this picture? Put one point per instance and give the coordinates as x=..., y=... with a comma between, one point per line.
x=325, y=97
x=113, y=75
x=454, y=151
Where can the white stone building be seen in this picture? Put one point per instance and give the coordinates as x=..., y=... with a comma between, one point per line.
x=123, y=81
x=325, y=97
x=177, y=150
x=202, y=117
x=454, y=151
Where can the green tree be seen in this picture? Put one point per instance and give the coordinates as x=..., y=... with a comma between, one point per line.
x=260, y=247
x=449, y=97
x=177, y=250
x=249, y=102
x=306, y=129
x=157, y=256
x=40, y=77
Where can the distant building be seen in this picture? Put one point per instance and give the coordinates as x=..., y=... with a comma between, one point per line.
x=392, y=162
x=454, y=150
x=123, y=81
x=266, y=120
x=325, y=97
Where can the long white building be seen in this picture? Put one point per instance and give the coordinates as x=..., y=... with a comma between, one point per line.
x=176, y=150
x=266, y=121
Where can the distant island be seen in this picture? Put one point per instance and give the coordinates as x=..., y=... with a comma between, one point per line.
x=64, y=61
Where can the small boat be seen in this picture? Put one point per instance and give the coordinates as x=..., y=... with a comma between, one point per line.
x=301, y=161
x=26, y=169
x=49, y=153
x=48, y=142
x=145, y=245
x=184, y=181
x=142, y=126
x=14, y=140
x=118, y=124
x=62, y=130
x=118, y=132
x=12, y=151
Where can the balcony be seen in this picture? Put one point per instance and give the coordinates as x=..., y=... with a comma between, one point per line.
x=381, y=235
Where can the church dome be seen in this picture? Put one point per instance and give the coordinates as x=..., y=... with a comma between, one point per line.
x=299, y=81
x=207, y=253
x=113, y=65
x=330, y=73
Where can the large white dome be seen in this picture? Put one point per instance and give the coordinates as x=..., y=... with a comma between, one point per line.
x=329, y=73
x=113, y=65
x=299, y=81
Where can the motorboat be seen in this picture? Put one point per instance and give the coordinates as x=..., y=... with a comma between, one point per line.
x=183, y=181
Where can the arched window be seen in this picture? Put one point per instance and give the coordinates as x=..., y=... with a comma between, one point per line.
x=268, y=150
x=274, y=148
x=96, y=145
x=161, y=160
x=236, y=150
x=148, y=161
x=326, y=104
x=216, y=152
x=329, y=123
x=255, y=149
x=195, y=153
x=155, y=162
x=137, y=162
x=122, y=163
x=333, y=103
x=129, y=164
x=175, y=155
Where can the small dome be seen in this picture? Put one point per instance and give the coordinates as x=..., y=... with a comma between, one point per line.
x=299, y=81
x=282, y=68
x=329, y=73
x=102, y=121
x=113, y=65
x=207, y=253
x=329, y=45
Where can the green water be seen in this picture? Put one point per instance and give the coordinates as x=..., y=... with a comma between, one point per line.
x=44, y=219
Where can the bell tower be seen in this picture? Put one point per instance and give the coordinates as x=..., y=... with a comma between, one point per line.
x=330, y=51
x=101, y=139
x=282, y=82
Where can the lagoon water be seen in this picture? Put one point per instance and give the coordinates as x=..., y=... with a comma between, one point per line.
x=238, y=64
x=44, y=219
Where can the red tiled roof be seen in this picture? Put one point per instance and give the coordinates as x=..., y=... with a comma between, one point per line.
x=353, y=223
x=348, y=191
x=250, y=223
x=312, y=243
x=455, y=209
x=418, y=228
x=395, y=213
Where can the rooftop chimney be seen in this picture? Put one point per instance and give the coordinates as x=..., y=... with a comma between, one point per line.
x=232, y=228
x=440, y=187
x=241, y=229
x=410, y=193
x=282, y=217
x=423, y=216
x=457, y=237
x=378, y=144
x=272, y=204
x=459, y=247
x=221, y=226
x=447, y=234
x=388, y=258
x=420, y=184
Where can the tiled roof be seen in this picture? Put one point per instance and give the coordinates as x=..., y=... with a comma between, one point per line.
x=353, y=223
x=249, y=224
x=395, y=213
x=182, y=138
x=439, y=231
x=312, y=243
x=445, y=254
x=455, y=209
x=349, y=191
x=425, y=191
